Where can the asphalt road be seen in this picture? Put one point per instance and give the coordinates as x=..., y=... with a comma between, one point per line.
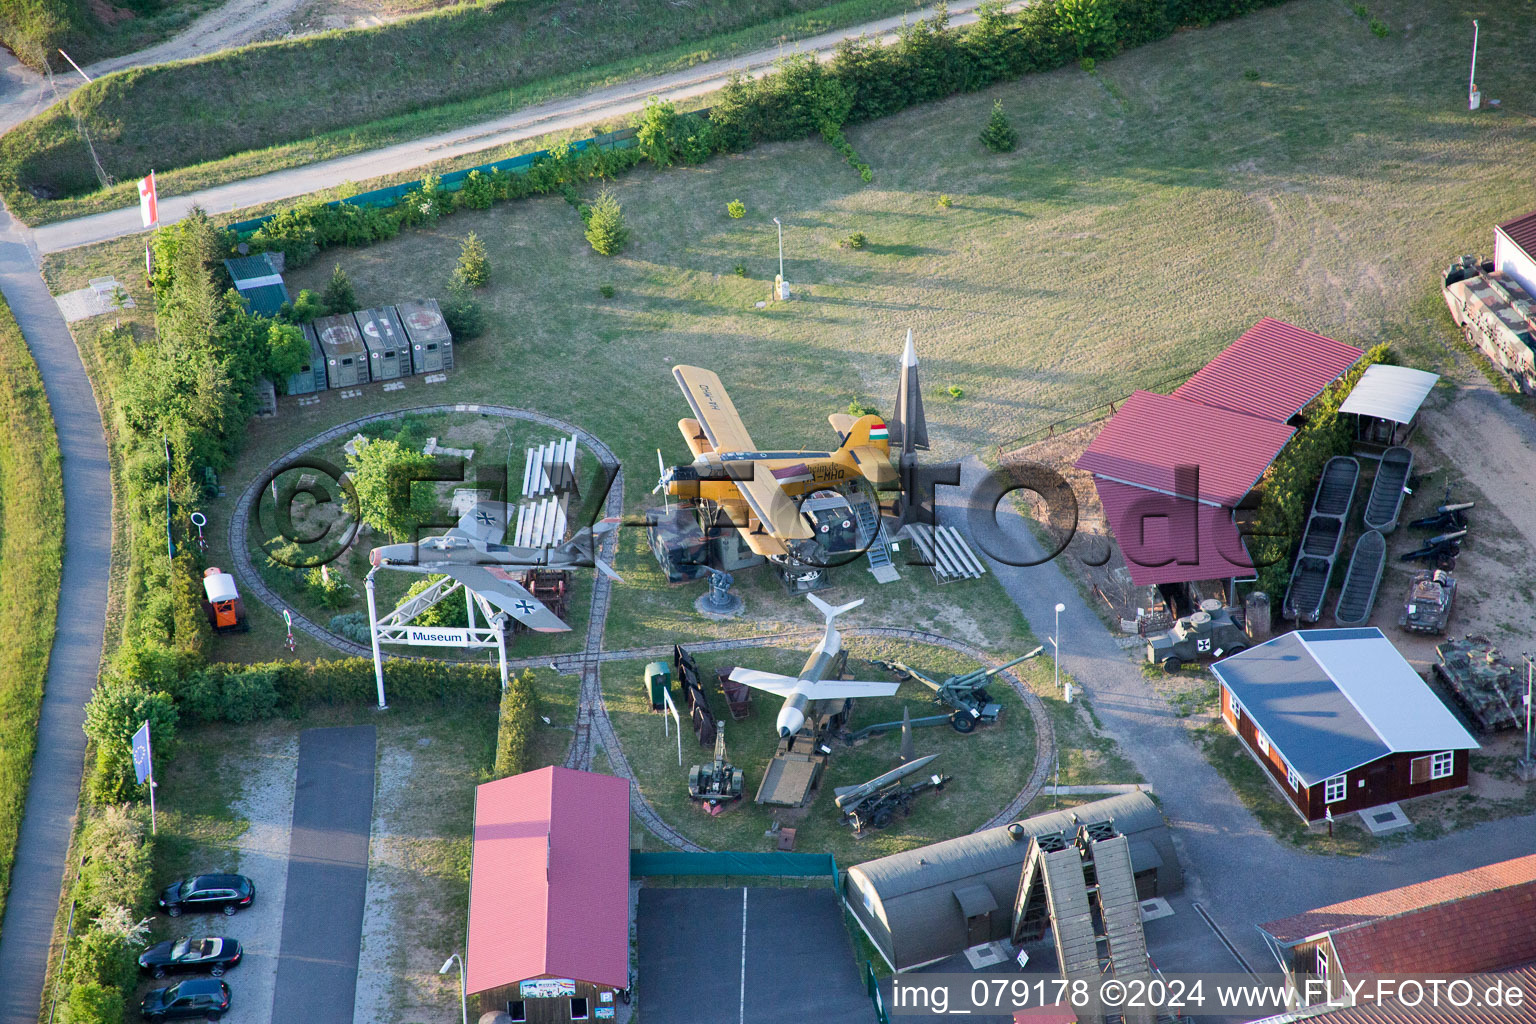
x=327, y=875
x=557, y=115
x=750, y=956
x=58, y=766
x=1235, y=869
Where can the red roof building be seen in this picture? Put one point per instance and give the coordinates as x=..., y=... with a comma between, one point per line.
x=549, y=895
x=1272, y=371
x=1208, y=443
x=1514, y=250
x=1471, y=922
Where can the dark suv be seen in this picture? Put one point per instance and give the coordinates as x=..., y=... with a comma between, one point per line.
x=202, y=893
x=195, y=997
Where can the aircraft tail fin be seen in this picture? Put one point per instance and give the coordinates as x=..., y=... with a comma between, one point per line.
x=868, y=432
x=830, y=612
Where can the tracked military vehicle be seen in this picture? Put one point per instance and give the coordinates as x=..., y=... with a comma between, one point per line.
x=1208, y=634
x=1428, y=606
x=1489, y=686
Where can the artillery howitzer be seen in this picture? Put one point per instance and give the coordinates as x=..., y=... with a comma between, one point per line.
x=875, y=803
x=1441, y=549
x=1448, y=516
x=716, y=782
x=966, y=694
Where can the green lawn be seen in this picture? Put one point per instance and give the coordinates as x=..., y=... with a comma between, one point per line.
x=327, y=95
x=31, y=495
x=33, y=29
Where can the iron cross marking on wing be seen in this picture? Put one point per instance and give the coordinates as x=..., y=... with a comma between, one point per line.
x=485, y=518
x=526, y=607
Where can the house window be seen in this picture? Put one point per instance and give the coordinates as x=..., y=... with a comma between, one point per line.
x=578, y=1008
x=518, y=1011
x=1263, y=742
x=1291, y=778
x=1335, y=789
x=1442, y=765
x=1322, y=963
x=1237, y=709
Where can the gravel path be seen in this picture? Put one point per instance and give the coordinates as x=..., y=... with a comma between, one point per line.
x=269, y=769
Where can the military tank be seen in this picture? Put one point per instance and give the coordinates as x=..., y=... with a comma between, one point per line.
x=1427, y=608
x=1488, y=686
x=1208, y=633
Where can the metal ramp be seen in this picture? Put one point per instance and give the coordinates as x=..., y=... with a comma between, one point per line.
x=1066, y=896
x=550, y=468
x=540, y=525
x=1119, y=907
x=873, y=540
x=946, y=551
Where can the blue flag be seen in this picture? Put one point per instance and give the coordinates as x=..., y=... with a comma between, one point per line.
x=142, y=766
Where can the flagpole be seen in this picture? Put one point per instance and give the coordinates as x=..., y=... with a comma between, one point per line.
x=149, y=756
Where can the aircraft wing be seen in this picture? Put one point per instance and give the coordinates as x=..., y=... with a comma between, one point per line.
x=770, y=682
x=713, y=409
x=773, y=507
x=833, y=688
x=498, y=587
x=486, y=522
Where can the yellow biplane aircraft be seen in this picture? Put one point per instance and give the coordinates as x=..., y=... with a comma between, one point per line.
x=755, y=488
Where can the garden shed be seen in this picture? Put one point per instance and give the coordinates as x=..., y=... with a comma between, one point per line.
x=427, y=331
x=921, y=906
x=1385, y=401
x=259, y=281
x=346, y=360
x=389, y=354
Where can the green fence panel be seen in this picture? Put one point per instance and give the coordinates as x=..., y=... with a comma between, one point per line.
x=676, y=862
x=872, y=986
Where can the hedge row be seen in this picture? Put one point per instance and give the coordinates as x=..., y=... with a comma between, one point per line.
x=864, y=80
x=514, y=729
x=1287, y=486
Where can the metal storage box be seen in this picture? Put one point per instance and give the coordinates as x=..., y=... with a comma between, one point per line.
x=311, y=376
x=431, y=342
x=388, y=356
x=346, y=360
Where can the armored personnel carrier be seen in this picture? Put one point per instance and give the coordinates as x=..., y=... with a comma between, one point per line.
x=1489, y=686
x=1208, y=634
x=1428, y=606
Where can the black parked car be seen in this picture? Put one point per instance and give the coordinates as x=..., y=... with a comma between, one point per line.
x=195, y=997
x=191, y=955
x=208, y=892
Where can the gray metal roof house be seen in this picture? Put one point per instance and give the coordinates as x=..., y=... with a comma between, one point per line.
x=920, y=906
x=1341, y=721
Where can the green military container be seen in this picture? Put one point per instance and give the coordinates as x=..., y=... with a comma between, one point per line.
x=658, y=681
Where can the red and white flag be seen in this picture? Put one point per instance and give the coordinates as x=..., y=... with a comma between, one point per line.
x=149, y=207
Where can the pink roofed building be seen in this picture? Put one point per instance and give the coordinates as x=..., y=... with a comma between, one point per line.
x=549, y=896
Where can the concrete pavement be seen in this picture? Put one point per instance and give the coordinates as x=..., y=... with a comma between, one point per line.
x=554, y=116
x=1238, y=872
x=57, y=766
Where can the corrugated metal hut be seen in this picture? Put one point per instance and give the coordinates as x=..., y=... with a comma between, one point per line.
x=388, y=352
x=920, y=906
x=259, y=280
x=311, y=376
x=346, y=359
x=427, y=331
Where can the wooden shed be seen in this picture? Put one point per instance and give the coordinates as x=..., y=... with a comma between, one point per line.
x=427, y=331
x=1341, y=722
x=346, y=359
x=388, y=353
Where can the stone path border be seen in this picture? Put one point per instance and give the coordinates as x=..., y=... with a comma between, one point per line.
x=592, y=721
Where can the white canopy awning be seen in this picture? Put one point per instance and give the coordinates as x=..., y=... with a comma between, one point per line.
x=1390, y=392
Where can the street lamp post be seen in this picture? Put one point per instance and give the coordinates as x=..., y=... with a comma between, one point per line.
x=1056, y=649
x=781, y=248
x=463, y=997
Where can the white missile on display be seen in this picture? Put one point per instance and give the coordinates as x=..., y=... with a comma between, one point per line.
x=811, y=684
x=847, y=796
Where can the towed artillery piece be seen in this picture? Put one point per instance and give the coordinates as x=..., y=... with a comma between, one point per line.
x=876, y=803
x=1208, y=633
x=1427, y=608
x=1441, y=549
x=966, y=694
x=717, y=782
x=1447, y=517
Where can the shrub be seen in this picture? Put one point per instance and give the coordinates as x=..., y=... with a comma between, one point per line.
x=390, y=481
x=463, y=315
x=450, y=613
x=998, y=135
x=1251, y=74
x=606, y=291
x=944, y=202
x=606, y=232
x=1091, y=23
x=514, y=731
x=104, y=955
x=338, y=296
x=856, y=240
x=736, y=208
x=352, y=625
x=92, y=1003
x=955, y=391
x=478, y=192
x=1360, y=11
x=656, y=128
x=858, y=408
x=474, y=268
x=113, y=714
x=307, y=308
x=116, y=870
x=1379, y=28
x=329, y=589
x=741, y=270
x=1087, y=64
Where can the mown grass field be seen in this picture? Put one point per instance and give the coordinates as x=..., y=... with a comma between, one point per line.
x=90, y=31
x=326, y=95
x=31, y=553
